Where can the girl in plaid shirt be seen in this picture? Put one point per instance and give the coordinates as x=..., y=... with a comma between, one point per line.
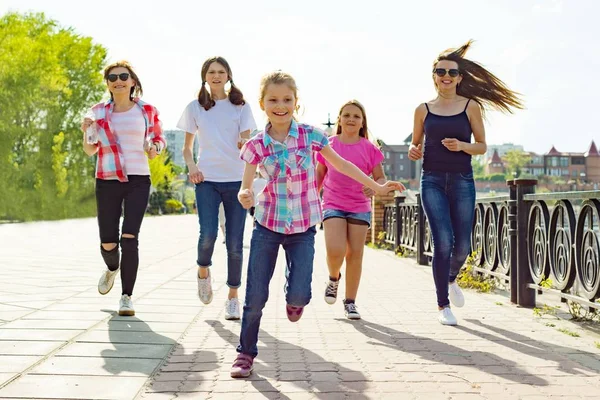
x=288, y=209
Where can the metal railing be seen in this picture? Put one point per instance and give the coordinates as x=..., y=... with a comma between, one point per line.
x=534, y=243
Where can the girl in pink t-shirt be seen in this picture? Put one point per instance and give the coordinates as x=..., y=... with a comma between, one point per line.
x=347, y=204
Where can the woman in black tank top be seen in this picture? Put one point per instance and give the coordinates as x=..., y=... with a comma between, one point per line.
x=465, y=89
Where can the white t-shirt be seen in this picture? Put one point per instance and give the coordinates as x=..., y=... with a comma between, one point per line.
x=130, y=129
x=218, y=131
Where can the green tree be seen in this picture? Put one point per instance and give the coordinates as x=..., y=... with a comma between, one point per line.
x=515, y=160
x=478, y=167
x=48, y=76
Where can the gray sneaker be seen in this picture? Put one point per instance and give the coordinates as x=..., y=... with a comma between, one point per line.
x=126, y=306
x=107, y=280
x=232, y=309
x=205, y=288
x=351, y=311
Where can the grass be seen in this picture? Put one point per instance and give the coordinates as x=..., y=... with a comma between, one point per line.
x=568, y=332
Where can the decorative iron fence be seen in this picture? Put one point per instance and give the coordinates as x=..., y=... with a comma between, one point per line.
x=536, y=243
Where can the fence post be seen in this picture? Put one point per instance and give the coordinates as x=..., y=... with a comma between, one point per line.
x=512, y=233
x=399, y=199
x=421, y=257
x=525, y=295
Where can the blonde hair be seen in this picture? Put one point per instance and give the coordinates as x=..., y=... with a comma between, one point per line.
x=277, y=78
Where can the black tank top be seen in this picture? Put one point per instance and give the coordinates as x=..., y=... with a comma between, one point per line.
x=437, y=127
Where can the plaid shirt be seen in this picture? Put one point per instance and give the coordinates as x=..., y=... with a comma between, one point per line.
x=110, y=156
x=290, y=202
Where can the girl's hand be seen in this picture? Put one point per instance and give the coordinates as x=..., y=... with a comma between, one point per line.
x=246, y=198
x=415, y=152
x=453, y=144
x=241, y=143
x=195, y=175
x=390, y=186
x=368, y=192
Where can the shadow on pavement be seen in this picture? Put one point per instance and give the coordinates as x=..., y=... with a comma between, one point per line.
x=538, y=348
x=261, y=378
x=444, y=353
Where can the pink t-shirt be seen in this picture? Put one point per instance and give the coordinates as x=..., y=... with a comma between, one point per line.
x=341, y=192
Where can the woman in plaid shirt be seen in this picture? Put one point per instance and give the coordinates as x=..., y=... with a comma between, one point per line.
x=124, y=132
x=288, y=208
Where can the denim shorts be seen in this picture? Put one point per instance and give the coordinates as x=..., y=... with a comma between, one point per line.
x=364, y=216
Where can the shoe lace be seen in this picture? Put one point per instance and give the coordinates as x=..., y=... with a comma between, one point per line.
x=332, y=288
x=126, y=301
x=232, y=306
x=351, y=308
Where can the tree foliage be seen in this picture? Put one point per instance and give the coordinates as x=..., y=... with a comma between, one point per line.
x=515, y=161
x=48, y=76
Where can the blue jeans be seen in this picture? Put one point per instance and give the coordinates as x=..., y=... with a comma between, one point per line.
x=449, y=203
x=209, y=196
x=264, y=246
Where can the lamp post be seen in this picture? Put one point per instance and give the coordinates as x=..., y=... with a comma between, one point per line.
x=328, y=124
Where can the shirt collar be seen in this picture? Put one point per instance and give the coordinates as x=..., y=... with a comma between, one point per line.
x=293, y=132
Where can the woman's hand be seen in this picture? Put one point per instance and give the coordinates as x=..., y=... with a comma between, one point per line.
x=152, y=152
x=86, y=124
x=195, y=175
x=415, y=152
x=453, y=144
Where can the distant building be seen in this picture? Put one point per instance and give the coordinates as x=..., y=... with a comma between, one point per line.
x=568, y=166
x=175, y=141
x=501, y=149
x=495, y=165
x=396, y=165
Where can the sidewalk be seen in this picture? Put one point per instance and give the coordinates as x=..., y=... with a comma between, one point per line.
x=60, y=339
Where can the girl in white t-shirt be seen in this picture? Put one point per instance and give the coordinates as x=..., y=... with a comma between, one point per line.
x=223, y=122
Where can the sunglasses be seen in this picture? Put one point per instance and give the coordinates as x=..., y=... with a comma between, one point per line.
x=113, y=77
x=442, y=72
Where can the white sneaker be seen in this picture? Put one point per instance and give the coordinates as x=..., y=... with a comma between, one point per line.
x=232, y=309
x=107, y=280
x=331, y=290
x=446, y=317
x=126, y=306
x=205, y=288
x=456, y=295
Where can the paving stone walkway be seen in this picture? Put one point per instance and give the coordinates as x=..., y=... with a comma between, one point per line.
x=60, y=339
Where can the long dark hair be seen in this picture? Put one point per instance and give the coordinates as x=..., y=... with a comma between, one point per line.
x=205, y=99
x=136, y=91
x=480, y=84
x=364, y=130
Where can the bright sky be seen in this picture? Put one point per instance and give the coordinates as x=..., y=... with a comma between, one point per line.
x=379, y=52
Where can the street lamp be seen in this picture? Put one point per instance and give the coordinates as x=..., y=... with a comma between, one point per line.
x=328, y=124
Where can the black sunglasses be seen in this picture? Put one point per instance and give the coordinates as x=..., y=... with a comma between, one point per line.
x=442, y=72
x=113, y=77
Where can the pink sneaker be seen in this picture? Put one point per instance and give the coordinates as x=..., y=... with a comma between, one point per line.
x=294, y=313
x=242, y=366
